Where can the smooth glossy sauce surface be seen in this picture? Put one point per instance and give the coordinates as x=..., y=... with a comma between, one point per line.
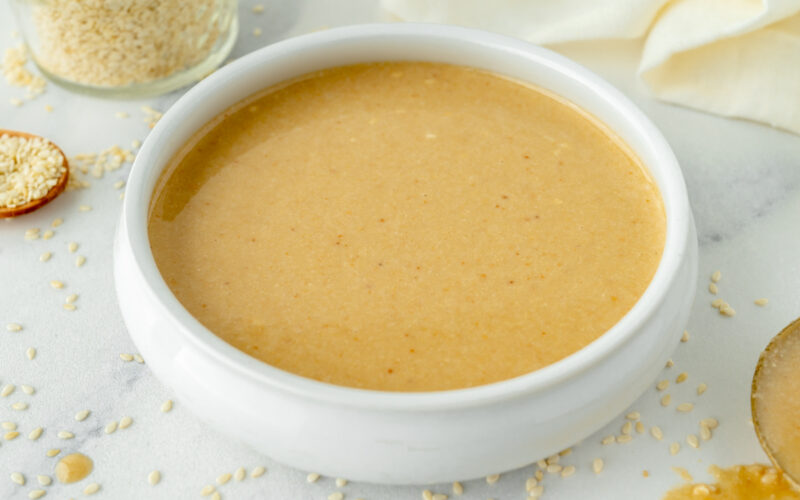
x=406, y=227
x=740, y=482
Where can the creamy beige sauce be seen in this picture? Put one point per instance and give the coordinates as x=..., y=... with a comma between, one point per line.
x=740, y=482
x=406, y=227
x=776, y=401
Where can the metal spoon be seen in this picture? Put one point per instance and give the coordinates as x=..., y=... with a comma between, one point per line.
x=47, y=198
x=792, y=331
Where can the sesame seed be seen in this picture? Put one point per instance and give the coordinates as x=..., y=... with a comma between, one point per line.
x=207, y=490
x=685, y=407
x=627, y=427
x=216, y=496
x=71, y=298
x=701, y=389
x=552, y=459
x=341, y=483
x=65, y=435
x=256, y=31
x=727, y=310
x=568, y=471
x=223, y=478
x=625, y=438
x=48, y=108
x=34, y=494
x=674, y=448
x=692, y=441
x=439, y=496
x=656, y=432
x=427, y=495
x=336, y=496
x=48, y=234
x=7, y=390
x=18, y=477
x=607, y=440
x=258, y=471
x=681, y=378
x=9, y=426
x=57, y=284
x=539, y=475
x=138, y=358
x=458, y=489
x=685, y=336
x=670, y=363
x=634, y=415
x=15, y=102
x=19, y=406
x=665, y=400
x=154, y=478
x=565, y=453
x=239, y=474
x=551, y=469
x=712, y=287
x=10, y=435
x=27, y=389
x=258, y=9
x=312, y=477
x=542, y=464
x=56, y=222
x=69, y=307
x=44, y=480
x=531, y=483
x=597, y=465
x=136, y=143
x=52, y=452
x=711, y=423
x=80, y=260
x=119, y=184
x=493, y=478
x=125, y=422
x=639, y=428
x=111, y=427
x=91, y=489
x=717, y=303
x=30, y=352
x=716, y=276
x=536, y=492
x=701, y=490
x=45, y=257
x=166, y=406
x=705, y=433
x=126, y=357
x=761, y=302
x=34, y=434
x=121, y=114
x=84, y=208
x=13, y=327
x=81, y=415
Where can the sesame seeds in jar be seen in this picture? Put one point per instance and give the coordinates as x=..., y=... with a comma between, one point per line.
x=127, y=47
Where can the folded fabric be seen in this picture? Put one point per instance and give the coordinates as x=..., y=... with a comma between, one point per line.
x=738, y=58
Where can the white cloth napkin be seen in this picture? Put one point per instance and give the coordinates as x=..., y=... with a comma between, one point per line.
x=738, y=58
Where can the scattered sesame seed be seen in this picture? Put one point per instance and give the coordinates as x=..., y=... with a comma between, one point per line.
x=627, y=427
x=258, y=471
x=493, y=478
x=138, y=358
x=45, y=257
x=121, y=114
x=154, y=478
x=717, y=303
x=56, y=222
x=48, y=108
x=681, y=378
x=239, y=474
x=136, y=143
x=639, y=428
x=65, y=435
x=761, y=302
x=69, y=307
x=607, y=440
x=30, y=352
x=52, y=452
x=458, y=489
x=716, y=276
x=670, y=363
x=81, y=415
x=312, y=477
x=80, y=260
x=565, y=453
x=552, y=459
x=7, y=390
x=634, y=415
x=712, y=287
x=166, y=406
x=216, y=496
x=15, y=102
x=685, y=407
x=674, y=448
x=34, y=494
x=91, y=489
x=427, y=495
x=11, y=435
x=551, y=469
x=439, y=496
x=536, y=492
x=701, y=389
x=18, y=478
x=207, y=490
x=656, y=432
x=597, y=465
x=666, y=399
x=71, y=298
x=727, y=310
x=224, y=478
x=44, y=480
x=126, y=357
x=27, y=389
x=705, y=433
x=568, y=471
x=125, y=422
x=19, y=406
x=685, y=336
x=692, y=441
x=257, y=32
x=34, y=434
x=57, y=284
x=13, y=327
x=336, y=496
x=625, y=438
x=111, y=427
x=119, y=184
x=711, y=423
x=9, y=426
x=341, y=483
x=258, y=9
x=84, y=208
x=72, y=246
x=531, y=483
x=48, y=234
x=542, y=464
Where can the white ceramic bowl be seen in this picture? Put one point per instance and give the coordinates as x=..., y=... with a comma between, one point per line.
x=403, y=437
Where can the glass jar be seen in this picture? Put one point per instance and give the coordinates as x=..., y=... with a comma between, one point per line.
x=127, y=48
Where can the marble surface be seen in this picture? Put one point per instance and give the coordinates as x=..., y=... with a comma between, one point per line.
x=744, y=184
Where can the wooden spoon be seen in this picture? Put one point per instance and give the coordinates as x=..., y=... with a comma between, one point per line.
x=56, y=190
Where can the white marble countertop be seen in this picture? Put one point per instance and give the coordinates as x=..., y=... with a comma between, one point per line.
x=744, y=184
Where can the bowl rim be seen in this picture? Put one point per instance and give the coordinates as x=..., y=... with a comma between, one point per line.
x=677, y=213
